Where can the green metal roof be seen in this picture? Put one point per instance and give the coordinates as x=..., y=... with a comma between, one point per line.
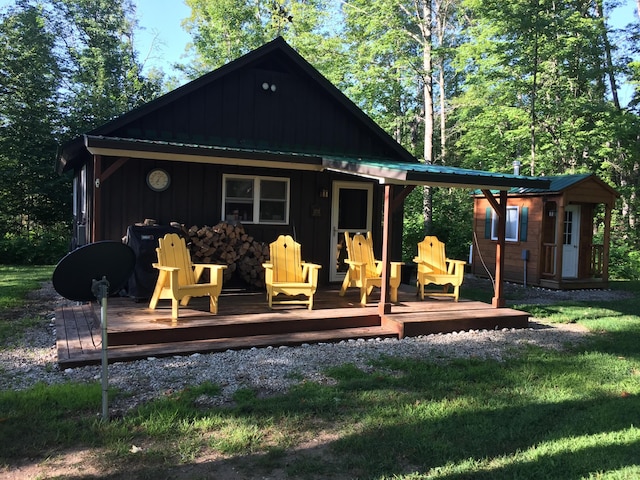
x=384, y=170
x=405, y=173
x=557, y=184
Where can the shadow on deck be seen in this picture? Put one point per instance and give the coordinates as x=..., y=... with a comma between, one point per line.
x=245, y=321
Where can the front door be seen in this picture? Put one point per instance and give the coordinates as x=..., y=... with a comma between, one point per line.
x=571, y=241
x=350, y=212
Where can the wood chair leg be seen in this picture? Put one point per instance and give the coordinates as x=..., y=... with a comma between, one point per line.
x=363, y=295
x=162, y=278
x=345, y=284
x=174, y=308
x=213, y=304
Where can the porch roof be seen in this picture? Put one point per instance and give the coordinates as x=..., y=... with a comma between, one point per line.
x=385, y=171
x=405, y=173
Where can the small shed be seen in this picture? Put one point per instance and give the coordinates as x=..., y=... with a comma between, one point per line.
x=549, y=239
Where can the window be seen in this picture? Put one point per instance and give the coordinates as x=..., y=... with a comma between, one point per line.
x=255, y=199
x=511, y=234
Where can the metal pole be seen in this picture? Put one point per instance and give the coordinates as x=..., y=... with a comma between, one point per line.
x=100, y=289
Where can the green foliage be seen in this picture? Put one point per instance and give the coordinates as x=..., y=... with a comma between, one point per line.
x=16, y=282
x=47, y=417
x=452, y=222
x=223, y=30
x=37, y=247
x=31, y=194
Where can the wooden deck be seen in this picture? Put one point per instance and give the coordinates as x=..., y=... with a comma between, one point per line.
x=244, y=321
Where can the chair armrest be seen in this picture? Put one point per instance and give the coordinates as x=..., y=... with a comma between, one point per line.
x=354, y=263
x=165, y=268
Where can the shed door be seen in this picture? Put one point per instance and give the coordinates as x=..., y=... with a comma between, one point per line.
x=571, y=241
x=350, y=212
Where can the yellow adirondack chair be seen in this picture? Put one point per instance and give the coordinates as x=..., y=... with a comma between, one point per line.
x=365, y=272
x=287, y=274
x=178, y=277
x=435, y=268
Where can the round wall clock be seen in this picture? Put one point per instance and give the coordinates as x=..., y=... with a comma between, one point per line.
x=158, y=180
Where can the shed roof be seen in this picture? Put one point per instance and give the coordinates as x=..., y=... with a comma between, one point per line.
x=562, y=183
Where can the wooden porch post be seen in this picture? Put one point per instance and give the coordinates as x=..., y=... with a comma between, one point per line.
x=384, y=306
x=500, y=207
x=559, y=241
x=498, y=300
x=606, y=243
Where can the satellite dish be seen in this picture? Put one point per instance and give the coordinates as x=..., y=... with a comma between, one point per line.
x=96, y=270
x=74, y=275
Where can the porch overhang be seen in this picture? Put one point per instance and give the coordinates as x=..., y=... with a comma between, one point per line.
x=198, y=153
x=405, y=173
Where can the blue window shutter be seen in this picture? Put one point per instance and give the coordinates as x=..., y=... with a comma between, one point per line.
x=524, y=223
x=487, y=223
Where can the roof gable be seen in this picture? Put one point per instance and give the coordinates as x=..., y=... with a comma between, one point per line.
x=270, y=99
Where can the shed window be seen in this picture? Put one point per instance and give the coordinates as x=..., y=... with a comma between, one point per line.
x=255, y=199
x=511, y=234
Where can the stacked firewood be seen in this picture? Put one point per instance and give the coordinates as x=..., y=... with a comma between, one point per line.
x=229, y=244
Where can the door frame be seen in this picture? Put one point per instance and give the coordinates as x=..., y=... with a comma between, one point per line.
x=571, y=251
x=334, y=231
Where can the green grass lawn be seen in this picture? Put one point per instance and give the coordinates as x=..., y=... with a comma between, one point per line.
x=541, y=415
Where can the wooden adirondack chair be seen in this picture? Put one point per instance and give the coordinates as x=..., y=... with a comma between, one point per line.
x=365, y=272
x=287, y=274
x=178, y=277
x=435, y=268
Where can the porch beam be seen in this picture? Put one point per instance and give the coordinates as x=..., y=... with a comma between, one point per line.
x=400, y=198
x=500, y=207
x=498, y=300
x=384, y=306
x=114, y=167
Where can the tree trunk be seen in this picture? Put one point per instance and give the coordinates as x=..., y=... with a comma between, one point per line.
x=428, y=107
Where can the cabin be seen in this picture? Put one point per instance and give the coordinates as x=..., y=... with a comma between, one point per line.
x=549, y=235
x=265, y=142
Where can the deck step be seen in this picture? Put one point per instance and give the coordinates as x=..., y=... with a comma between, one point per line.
x=412, y=324
x=138, y=352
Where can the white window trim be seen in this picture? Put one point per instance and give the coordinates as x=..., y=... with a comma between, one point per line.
x=257, y=179
x=494, y=224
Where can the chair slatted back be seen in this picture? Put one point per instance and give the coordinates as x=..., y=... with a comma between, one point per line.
x=431, y=251
x=286, y=258
x=362, y=249
x=173, y=252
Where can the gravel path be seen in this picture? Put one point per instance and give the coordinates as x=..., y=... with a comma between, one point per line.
x=32, y=359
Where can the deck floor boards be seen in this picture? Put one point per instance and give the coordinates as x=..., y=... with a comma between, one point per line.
x=245, y=321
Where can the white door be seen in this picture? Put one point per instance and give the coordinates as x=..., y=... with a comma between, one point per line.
x=350, y=212
x=571, y=241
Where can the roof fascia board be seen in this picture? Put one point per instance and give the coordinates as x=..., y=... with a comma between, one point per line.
x=195, y=154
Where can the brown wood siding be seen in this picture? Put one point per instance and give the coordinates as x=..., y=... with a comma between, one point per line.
x=514, y=265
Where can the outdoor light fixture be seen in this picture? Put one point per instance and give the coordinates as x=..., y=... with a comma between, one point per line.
x=266, y=86
x=324, y=193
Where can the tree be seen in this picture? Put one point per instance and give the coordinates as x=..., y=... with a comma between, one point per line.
x=224, y=30
x=31, y=194
x=103, y=77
